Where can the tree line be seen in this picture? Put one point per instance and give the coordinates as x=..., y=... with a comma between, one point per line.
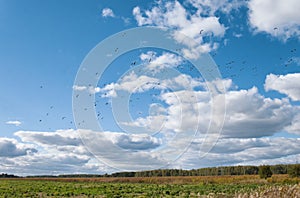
x=292, y=169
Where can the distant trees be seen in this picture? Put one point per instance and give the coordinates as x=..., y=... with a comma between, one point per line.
x=279, y=168
x=265, y=171
x=294, y=170
x=5, y=175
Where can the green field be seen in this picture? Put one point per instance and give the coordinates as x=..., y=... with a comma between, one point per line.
x=223, y=186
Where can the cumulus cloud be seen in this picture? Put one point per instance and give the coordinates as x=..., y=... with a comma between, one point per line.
x=12, y=148
x=135, y=84
x=189, y=110
x=174, y=16
x=155, y=72
x=58, y=138
x=212, y=6
x=234, y=151
x=90, y=89
x=107, y=12
x=132, y=83
x=79, y=88
x=288, y=84
x=158, y=63
x=294, y=127
x=257, y=117
x=136, y=142
x=14, y=122
x=275, y=17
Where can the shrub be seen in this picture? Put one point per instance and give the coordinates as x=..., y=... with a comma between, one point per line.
x=294, y=170
x=265, y=171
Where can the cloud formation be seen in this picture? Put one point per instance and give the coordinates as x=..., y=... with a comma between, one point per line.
x=275, y=17
x=14, y=122
x=288, y=84
x=175, y=16
x=11, y=148
x=107, y=12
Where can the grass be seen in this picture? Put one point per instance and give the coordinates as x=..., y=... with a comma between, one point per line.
x=208, y=186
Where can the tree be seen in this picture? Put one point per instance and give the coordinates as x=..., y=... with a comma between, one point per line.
x=265, y=171
x=294, y=170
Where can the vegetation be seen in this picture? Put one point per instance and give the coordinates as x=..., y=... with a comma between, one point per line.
x=227, y=181
x=211, y=171
x=188, y=186
x=265, y=171
x=294, y=170
x=4, y=175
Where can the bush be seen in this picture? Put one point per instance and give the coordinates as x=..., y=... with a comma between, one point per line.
x=265, y=171
x=294, y=170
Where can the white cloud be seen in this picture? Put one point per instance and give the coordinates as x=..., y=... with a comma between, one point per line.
x=187, y=109
x=90, y=89
x=158, y=63
x=211, y=6
x=257, y=117
x=107, y=12
x=174, y=16
x=58, y=138
x=63, y=152
x=148, y=76
x=12, y=148
x=294, y=127
x=288, y=84
x=275, y=17
x=79, y=88
x=234, y=151
x=135, y=142
x=132, y=83
x=14, y=122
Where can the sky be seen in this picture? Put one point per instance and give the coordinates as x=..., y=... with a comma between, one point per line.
x=103, y=86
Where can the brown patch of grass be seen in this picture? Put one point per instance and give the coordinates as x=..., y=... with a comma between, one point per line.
x=234, y=179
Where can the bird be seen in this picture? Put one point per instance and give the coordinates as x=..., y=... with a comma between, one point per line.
x=275, y=28
x=201, y=31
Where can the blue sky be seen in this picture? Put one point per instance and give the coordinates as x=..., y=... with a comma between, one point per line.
x=254, y=45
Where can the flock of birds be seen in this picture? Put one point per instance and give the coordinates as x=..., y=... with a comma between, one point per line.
x=232, y=67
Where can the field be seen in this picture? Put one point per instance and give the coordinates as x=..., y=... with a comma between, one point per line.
x=204, y=186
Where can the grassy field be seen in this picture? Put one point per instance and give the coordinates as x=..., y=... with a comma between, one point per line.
x=208, y=186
